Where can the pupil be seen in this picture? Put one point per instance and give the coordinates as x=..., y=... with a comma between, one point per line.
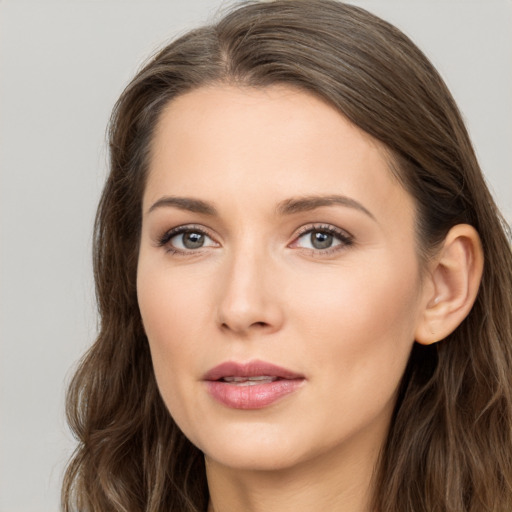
x=193, y=240
x=321, y=240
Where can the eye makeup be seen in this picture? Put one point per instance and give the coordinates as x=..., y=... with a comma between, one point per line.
x=322, y=239
x=316, y=239
x=190, y=238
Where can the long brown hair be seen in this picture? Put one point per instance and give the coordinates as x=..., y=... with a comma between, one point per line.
x=449, y=447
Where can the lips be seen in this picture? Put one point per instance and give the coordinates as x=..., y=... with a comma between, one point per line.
x=252, y=385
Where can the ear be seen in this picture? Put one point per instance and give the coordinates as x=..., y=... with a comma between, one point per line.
x=453, y=280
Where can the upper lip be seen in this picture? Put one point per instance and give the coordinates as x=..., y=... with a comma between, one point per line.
x=250, y=369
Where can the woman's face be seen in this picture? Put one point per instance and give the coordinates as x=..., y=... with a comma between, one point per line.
x=278, y=279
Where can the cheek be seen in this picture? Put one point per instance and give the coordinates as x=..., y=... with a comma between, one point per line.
x=172, y=304
x=171, y=321
x=357, y=340
x=360, y=323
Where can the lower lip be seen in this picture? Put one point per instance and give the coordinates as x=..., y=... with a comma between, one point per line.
x=254, y=396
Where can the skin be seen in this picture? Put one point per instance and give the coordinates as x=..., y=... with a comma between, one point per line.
x=345, y=318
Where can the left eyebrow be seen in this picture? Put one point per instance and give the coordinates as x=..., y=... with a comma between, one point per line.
x=308, y=203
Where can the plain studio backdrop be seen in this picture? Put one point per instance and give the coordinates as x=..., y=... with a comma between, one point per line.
x=63, y=63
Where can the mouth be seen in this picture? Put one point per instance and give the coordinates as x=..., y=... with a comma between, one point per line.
x=252, y=385
x=249, y=381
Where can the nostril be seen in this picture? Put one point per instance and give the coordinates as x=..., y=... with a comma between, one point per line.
x=257, y=325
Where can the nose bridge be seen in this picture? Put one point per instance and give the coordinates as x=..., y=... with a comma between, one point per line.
x=249, y=296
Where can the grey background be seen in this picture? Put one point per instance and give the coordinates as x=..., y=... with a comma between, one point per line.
x=62, y=66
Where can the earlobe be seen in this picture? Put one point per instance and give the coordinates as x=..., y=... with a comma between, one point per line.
x=455, y=274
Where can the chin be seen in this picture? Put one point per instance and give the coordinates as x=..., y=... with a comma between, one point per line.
x=254, y=459
x=263, y=451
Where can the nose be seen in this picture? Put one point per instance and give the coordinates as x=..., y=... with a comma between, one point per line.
x=250, y=296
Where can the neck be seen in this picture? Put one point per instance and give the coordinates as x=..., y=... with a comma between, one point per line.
x=335, y=481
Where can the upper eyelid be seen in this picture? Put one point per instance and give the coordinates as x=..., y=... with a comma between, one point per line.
x=304, y=229
x=183, y=228
x=317, y=226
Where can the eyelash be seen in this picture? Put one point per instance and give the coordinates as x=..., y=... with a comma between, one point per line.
x=164, y=240
x=345, y=238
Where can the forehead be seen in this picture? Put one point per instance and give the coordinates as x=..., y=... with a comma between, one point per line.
x=265, y=143
x=286, y=112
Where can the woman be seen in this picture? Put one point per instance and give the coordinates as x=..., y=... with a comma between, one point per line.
x=303, y=281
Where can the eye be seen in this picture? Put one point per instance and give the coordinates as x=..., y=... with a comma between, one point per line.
x=189, y=240
x=186, y=239
x=322, y=238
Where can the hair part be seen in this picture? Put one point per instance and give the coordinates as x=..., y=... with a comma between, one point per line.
x=449, y=447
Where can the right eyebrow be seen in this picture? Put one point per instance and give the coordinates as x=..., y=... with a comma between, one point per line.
x=184, y=203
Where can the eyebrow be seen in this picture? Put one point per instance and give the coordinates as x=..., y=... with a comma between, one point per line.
x=184, y=203
x=307, y=203
x=286, y=207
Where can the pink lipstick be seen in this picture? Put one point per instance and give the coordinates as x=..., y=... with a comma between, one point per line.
x=251, y=385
